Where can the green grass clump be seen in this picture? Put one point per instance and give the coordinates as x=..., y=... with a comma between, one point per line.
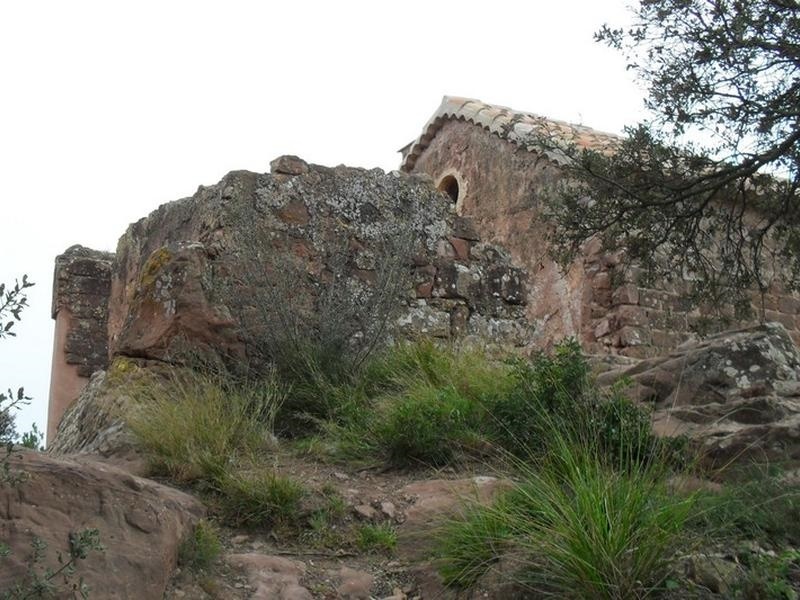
x=425, y=404
x=469, y=546
x=201, y=548
x=418, y=404
x=582, y=528
x=193, y=425
x=381, y=538
x=425, y=425
x=200, y=429
x=259, y=499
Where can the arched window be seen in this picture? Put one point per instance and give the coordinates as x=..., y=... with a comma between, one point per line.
x=449, y=185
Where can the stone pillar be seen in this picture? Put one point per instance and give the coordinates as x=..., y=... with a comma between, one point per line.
x=81, y=288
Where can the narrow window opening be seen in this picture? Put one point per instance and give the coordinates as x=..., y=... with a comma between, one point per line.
x=449, y=185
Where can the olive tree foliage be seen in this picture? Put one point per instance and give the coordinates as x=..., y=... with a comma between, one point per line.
x=13, y=300
x=707, y=188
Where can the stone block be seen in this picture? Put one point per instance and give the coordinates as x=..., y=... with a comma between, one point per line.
x=463, y=227
x=789, y=305
x=294, y=212
x=288, y=164
x=633, y=336
x=631, y=315
x=423, y=319
x=461, y=248
x=459, y=319
x=627, y=293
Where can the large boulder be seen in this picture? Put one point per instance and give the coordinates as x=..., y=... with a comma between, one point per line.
x=141, y=523
x=736, y=394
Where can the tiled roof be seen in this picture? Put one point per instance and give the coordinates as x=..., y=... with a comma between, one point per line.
x=523, y=129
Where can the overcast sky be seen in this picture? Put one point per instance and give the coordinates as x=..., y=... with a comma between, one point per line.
x=109, y=109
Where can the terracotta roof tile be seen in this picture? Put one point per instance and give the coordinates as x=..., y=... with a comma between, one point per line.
x=523, y=129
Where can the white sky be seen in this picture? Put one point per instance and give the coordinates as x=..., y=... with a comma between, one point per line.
x=108, y=109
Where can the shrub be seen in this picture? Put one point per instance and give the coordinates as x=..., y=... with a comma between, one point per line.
x=469, y=546
x=417, y=403
x=44, y=582
x=201, y=548
x=555, y=393
x=425, y=425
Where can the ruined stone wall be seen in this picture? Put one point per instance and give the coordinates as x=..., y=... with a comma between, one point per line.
x=501, y=187
x=80, y=308
x=187, y=270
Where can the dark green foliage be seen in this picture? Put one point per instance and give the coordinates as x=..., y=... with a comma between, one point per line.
x=419, y=404
x=46, y=582
x=32, y=439
x=13, y=300
x=261, y=499
x=575, y=527
x=555, y=394
x=426, y=425
x=546, y=389
x=469, y=546
x=680, y=192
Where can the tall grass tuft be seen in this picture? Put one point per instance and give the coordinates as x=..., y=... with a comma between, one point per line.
x=590, y=515
x=193, y=425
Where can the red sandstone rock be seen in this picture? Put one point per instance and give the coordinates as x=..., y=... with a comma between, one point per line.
x=272, y=577
x=172, y=307
x=141, y=523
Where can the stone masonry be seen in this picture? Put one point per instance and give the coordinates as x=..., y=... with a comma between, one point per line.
x=80, y=308
x=489, y=160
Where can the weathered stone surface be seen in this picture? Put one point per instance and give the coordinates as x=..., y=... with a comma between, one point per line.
x=172, y=306
x=141, y=523
x=737, y=394
x=94, y=423
x=504, y=184
x=289, y=164
x=81, y=287
x=354, y=584
x=272, y=577
x=342, y=223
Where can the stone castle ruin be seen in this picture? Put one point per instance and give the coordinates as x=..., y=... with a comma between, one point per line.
x=457, y=229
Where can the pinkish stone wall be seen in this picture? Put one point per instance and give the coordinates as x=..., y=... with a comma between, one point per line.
x=502, y=189
x=80, y=308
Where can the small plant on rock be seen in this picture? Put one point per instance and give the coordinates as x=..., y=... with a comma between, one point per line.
x=382, y=537
x=45, y=582
x=201, y=548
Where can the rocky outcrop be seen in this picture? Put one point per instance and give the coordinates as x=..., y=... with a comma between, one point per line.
x=736, y=394
x=95, y=422
x=206, y=269
x=141, y=524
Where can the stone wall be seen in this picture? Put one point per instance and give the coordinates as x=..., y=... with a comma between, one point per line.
x=80, y=308
x=502, y=187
